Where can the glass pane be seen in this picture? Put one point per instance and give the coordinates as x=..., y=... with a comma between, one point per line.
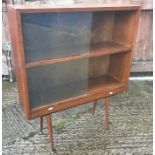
x=54, y=35
x=55, y=82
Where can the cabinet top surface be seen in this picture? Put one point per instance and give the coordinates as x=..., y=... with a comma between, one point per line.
x=74, y=7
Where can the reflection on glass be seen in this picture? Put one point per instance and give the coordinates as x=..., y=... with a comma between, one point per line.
x=56, y=82
x=54, y=35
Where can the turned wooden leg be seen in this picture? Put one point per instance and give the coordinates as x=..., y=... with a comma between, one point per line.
x=107, y=112
x=94, y=106
x=41, y=123
x=49, y=124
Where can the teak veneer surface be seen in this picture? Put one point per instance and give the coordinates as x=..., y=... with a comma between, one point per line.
x=74, y=7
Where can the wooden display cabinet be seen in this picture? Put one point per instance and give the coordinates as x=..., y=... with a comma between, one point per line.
x=66, y=56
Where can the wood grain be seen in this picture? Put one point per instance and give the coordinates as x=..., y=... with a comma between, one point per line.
x=146, y=4
x=5, y=28
x=102, y=26
x=18, y=60
x=74, y=7
x=142, y=66
x=144, y=42
x=98, y=66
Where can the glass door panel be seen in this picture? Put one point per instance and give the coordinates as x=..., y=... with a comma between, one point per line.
x=56, y=82
x=55, y=35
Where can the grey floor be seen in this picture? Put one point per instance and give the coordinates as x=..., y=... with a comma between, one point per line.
x=130, y=133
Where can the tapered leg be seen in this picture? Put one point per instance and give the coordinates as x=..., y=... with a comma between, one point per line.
x=94, y=106
x=107, y=112
x=41, y=123
x=49, y=124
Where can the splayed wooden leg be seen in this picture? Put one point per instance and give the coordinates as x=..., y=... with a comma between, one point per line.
x=94, y=106
x=49, y=124
x=107, y=112
x=41, y=124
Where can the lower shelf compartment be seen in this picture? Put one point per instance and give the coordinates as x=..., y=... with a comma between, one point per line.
x=98, y=88
x=103, y=83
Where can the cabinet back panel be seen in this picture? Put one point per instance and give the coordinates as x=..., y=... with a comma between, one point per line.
x=98, y=66
x=54, y=35
x=102, y=26
x=51, y=83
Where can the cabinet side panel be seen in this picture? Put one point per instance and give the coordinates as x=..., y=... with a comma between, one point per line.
x=125, y=30
x=18, y=59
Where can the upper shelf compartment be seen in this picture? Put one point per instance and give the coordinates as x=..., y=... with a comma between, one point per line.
x=98, y=49
x=56, y=37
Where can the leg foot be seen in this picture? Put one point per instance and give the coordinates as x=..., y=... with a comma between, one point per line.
x=49, y=124
x=107, y=112
x=94, y=106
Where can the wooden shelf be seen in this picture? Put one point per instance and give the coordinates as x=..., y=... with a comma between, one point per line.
x=107, y=47
x=102, y=84
x=96, y=50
